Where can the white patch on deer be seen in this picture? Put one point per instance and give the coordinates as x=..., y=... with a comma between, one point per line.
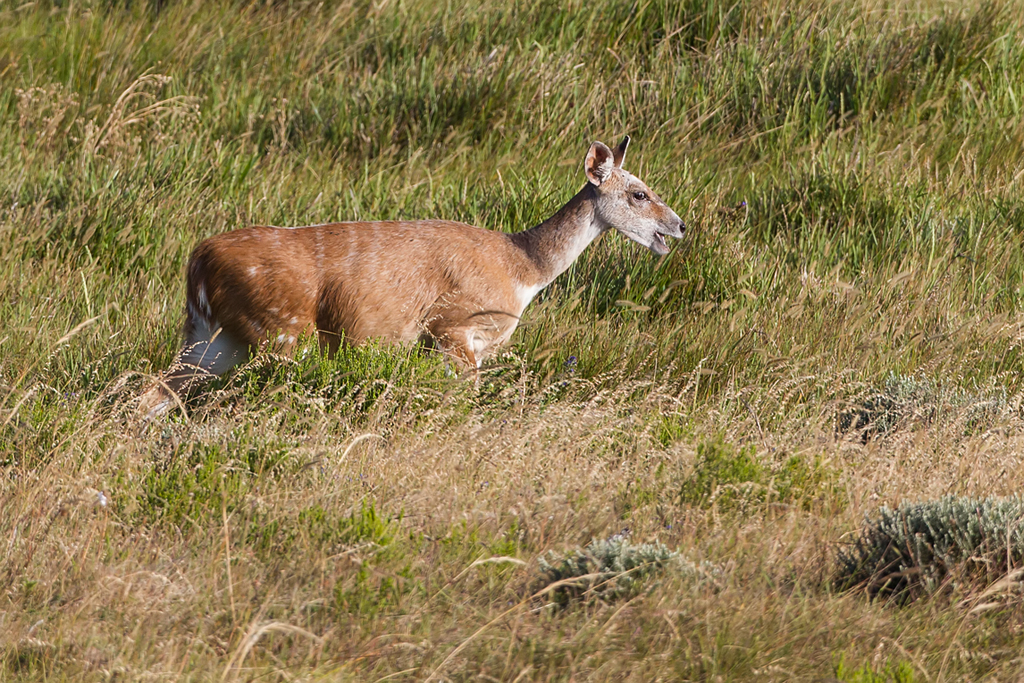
x=204, y=303
x=526, y=294
x=479, y=345
x=209, y=347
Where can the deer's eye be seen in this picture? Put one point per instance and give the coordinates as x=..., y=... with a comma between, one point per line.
x=640, y=196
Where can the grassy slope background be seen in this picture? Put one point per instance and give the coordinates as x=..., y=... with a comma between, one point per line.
x=850, y=174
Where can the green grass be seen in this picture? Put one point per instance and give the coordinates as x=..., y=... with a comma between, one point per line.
x=839, y=330
x=730, y=478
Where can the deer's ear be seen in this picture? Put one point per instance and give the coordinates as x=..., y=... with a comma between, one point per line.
x=620, y=152
x=599, y=163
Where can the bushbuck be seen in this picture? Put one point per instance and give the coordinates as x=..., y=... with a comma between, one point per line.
x=452, y=286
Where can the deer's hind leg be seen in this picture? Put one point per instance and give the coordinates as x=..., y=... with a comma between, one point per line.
x=454, y=339
x=209, y=350
x=470, y=343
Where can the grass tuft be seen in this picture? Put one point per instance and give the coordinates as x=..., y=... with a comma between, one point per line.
x=734, y=479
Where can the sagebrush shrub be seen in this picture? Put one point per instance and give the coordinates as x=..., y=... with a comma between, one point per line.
x=613, y=568
x=907, y=400
x=918, y=545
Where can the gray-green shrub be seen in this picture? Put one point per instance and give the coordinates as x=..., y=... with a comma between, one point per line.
x=613, y=568
x=917, y=546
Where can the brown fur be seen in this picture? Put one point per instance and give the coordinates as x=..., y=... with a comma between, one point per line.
x=398, y=281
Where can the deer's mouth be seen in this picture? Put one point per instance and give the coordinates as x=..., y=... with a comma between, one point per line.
x=658, y=244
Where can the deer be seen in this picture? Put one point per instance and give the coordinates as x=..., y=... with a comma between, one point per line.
x=446, y=285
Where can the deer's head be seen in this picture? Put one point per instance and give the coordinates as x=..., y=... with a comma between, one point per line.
x=625, y=203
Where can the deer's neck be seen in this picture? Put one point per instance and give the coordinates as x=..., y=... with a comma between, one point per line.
x=553, y=245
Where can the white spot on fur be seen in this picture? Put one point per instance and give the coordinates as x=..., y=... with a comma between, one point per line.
x=479, y=345
x=293, y=321
x=526, y=294
x=253, y=271
x=211, y=348
x=204, y=303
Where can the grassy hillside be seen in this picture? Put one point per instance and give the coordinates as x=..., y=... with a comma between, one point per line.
x=839, y=330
